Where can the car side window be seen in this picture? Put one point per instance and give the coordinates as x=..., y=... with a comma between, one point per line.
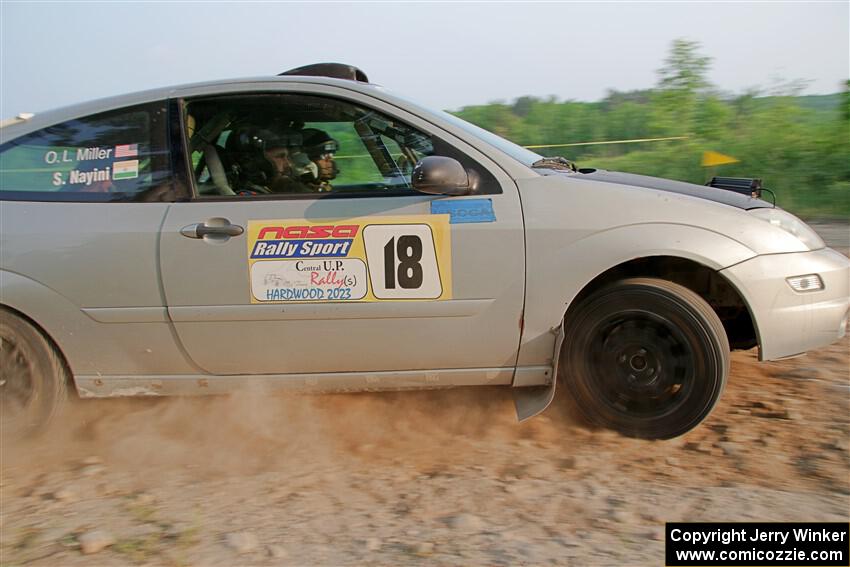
x=305, y=145
x=120, y=155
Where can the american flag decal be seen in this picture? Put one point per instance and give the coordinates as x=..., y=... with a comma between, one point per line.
x=125, y=151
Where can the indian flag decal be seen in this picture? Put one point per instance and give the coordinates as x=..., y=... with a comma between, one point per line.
x=125, y=169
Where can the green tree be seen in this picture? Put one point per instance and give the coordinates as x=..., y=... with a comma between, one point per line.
x=522, y=105
x=681, y=82
x=684, y=69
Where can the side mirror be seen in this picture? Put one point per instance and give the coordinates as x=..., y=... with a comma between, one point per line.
x=439, y=175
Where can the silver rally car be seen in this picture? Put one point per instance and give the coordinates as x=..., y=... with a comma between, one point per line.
x=312, y=231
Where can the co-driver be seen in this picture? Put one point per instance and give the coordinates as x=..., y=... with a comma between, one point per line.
x=320, y=148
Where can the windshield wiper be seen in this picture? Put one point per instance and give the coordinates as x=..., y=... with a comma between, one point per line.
x=557, y=162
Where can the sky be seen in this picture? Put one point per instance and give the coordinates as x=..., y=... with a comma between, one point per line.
x=441, y=54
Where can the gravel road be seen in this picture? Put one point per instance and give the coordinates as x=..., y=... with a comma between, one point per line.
x=445, y=477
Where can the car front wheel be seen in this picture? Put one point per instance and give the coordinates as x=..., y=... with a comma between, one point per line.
x=32, y=378
x=646, y=357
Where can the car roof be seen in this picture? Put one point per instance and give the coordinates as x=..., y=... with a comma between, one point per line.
x=19, y=127
x=13, y=128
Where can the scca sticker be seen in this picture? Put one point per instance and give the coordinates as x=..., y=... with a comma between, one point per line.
x=393, y=258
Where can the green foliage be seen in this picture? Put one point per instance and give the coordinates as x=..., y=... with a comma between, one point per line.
x=845, y=106
x=798, y=145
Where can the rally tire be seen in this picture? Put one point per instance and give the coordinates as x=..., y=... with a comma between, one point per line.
x=33, y=378
x=646, y=357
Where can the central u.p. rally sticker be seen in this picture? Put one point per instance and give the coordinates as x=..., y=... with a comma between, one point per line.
x=391, y=258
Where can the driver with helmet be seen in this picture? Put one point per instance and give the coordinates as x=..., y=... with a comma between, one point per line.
x=266, y=161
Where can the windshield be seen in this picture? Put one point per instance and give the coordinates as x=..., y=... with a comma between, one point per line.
x=527, y=157
x=522, y=155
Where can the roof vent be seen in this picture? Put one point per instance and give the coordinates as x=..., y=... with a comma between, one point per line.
x=332, y=70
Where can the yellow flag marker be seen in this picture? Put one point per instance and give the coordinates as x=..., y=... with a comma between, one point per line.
x=710, y=159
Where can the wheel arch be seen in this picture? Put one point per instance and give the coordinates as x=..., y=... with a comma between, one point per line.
x=722, y=295
x=560, y=267
x=34, y=302
x=69, y=375
x=50, y=313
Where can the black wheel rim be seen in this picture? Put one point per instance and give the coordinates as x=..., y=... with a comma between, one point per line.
x=17, y=379
x=642, y=364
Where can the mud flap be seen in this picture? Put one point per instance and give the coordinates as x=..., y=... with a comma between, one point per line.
x=532, y=401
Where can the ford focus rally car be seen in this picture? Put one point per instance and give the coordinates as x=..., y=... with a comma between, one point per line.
x=313, y=231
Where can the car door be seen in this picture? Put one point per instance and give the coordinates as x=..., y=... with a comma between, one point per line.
x=368, y=277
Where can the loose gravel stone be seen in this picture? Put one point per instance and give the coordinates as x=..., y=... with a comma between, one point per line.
x=276, y=552
x=424, y=548
x=143, y=499
x=92, y=470
x=729, y=449
x=466, y=522
x=242, y=542
x=772, y=414
x=95, y=541
x=621, y=516
x=65, y=495
x=539, y=471
x=697, y=446
x=788, y=414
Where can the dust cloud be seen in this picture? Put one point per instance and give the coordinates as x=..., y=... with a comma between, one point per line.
x=252, y=431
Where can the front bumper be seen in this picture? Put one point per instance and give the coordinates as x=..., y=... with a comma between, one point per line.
x=789, y=322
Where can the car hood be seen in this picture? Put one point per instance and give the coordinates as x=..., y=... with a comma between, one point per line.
x=723, y=196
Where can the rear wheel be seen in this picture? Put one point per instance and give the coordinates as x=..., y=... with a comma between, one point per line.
x=646, y=357
x=32, y=378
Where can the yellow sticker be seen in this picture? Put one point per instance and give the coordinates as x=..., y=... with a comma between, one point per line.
x=361, y=259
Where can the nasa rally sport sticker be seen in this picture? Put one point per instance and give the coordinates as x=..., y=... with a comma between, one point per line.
x=391, y=258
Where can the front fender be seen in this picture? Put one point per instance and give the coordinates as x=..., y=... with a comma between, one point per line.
x=560, y=263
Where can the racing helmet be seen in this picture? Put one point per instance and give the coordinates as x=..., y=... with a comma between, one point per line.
x=318, y=144
x=247, y=147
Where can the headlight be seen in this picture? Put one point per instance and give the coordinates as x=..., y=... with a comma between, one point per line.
x=792, y=225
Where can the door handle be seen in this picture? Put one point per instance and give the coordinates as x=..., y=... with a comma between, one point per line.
x=217, y=227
